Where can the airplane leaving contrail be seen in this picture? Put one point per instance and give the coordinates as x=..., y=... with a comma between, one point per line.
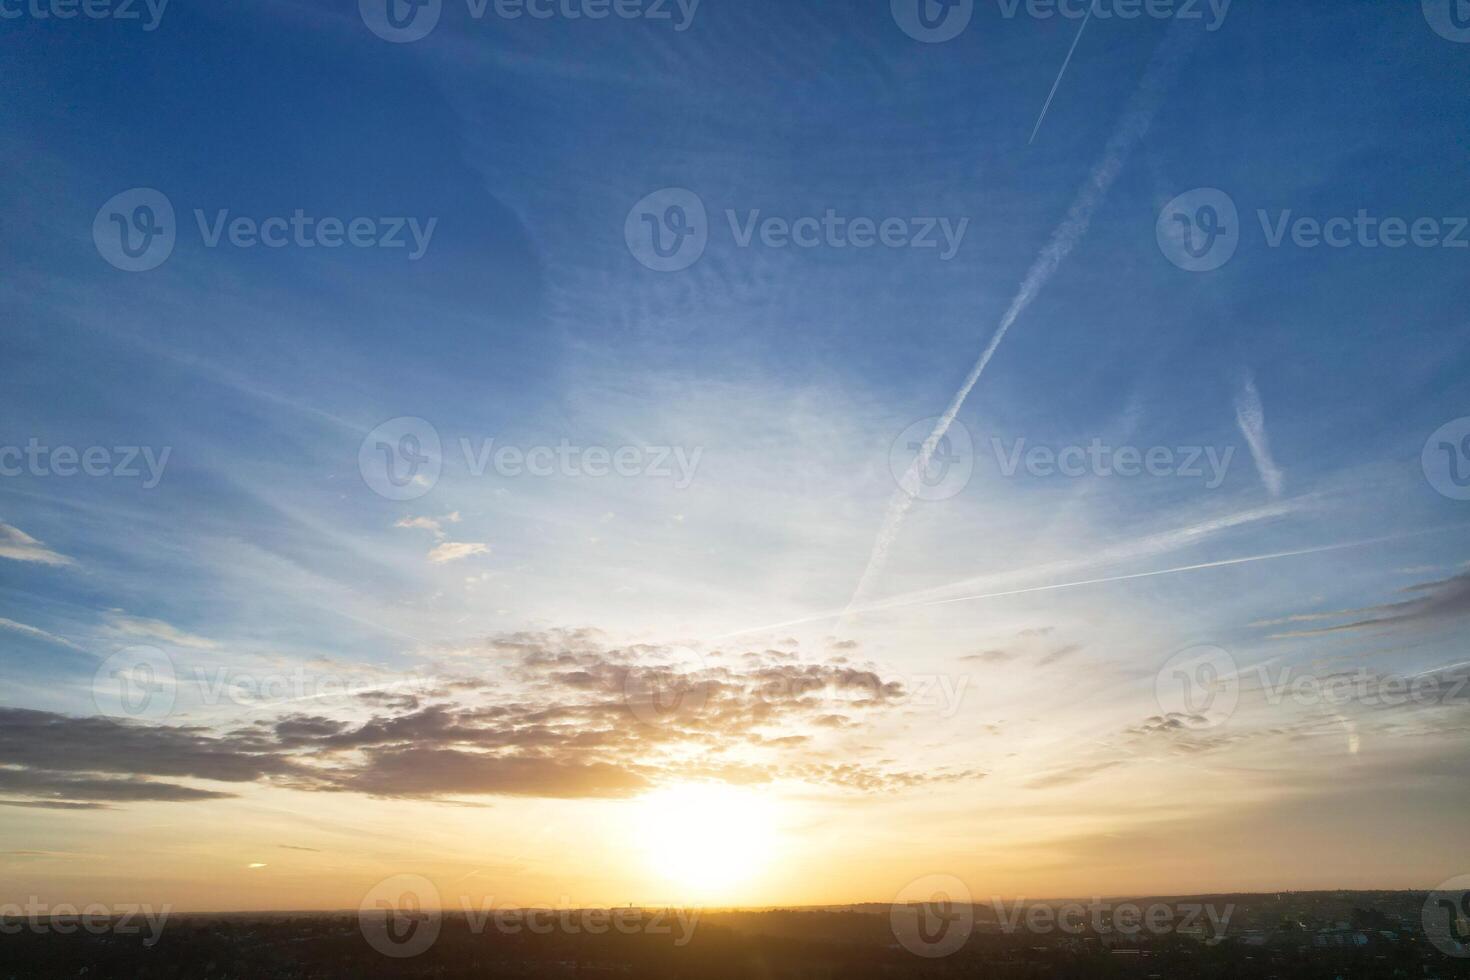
x=1222, y=563
x=1135, y=123
x=1056, y=586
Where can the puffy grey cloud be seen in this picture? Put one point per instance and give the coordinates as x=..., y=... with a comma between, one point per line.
x=587, y=719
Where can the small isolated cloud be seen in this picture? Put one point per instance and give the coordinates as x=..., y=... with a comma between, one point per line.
x=17, y=545
x=1251, y=417
x=990, y=656
x=423, y=524
x=456, y=550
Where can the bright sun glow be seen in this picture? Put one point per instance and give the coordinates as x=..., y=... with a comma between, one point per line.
x=706, y=840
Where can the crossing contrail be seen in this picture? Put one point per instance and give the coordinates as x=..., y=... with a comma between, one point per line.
x=902, y=603
x=1135, y=122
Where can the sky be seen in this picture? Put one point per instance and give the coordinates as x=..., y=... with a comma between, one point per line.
x=731, y=453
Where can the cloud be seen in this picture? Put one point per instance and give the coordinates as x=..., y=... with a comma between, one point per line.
x=39, y=634
x=54, y=805
x=1432, y=602
x=457, y=550
x=1059, y=654
x=990, y=656
x=44, y=742
x=586, y=719
x=17, y=545
x=1134, y=124
x=423, y=524
x=1250, y=416
x=156, y=629
x=69, y=787
x=417, y=771
x=1071, y=775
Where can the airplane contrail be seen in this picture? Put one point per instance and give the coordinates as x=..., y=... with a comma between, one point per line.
x=1056, y=586
x=1135, y=122
x=1250, y=416
x=1222, y=563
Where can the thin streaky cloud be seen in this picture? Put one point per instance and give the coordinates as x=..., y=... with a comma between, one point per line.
x=1250, y=416
x=17, y=545
x=38, y=634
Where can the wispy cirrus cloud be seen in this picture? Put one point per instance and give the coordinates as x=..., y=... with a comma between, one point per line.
x=1250, y=416
x=38, y=634
x=17, y=545
x=142, y=628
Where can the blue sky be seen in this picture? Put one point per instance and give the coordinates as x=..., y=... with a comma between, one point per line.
x=791, y=370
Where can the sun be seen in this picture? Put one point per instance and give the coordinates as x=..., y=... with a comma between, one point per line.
x=707, y=839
